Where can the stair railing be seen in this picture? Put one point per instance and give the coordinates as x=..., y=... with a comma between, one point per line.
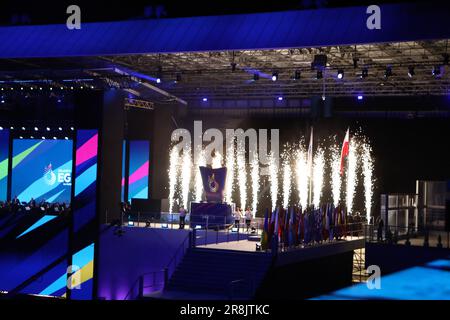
x=140, y=281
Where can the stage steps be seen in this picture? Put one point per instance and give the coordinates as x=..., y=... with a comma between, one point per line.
x=234, y=274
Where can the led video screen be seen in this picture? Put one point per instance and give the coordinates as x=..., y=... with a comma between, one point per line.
x=42, y=170
x=138, y=170
x=4, y=148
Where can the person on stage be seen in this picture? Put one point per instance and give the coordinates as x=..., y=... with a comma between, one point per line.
x=248, y=218
x=237, y=217
x=182, y=217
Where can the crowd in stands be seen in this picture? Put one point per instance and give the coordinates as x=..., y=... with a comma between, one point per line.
x=32, y=206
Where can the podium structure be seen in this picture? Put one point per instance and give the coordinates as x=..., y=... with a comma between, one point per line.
x=213, y=213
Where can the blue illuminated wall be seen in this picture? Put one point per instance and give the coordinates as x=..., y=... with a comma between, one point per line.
x=42, y=169
x=84, y=212
x=138, y=169
x=4, y=154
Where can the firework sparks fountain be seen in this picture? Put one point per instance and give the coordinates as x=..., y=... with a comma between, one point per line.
x=198, y=188
x=273, y=178
x=186, y=170
x=173, y=174
x=318, y=171
x=287, y=174
x=242, y=176
x=367, y=164
x=352, y=178
x=301, y=172
x=335, y=175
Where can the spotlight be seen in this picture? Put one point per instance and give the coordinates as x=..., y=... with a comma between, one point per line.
x=71, y=128
x=31, y=88
x=62, y=88
x=233, y=66
x=31, y=137
x=48, y=129
x=280, y=98
x=60, y=129
x=12, y=128
x=340, y=74
x=275, y=76
x=364, y=73
x=411, y=71
x=21, y=137
x=2, y=89
x=21, y=88
x=81, y=87
x=319, y=74
x=40, y=88
x=297, y=75
x=71, y=88
x=54, y=138
x=43, y=138
x=36, y=129
x=50, y=88
x=323, y=98
x=158, y=80
x=3, y=101
x=1, y=128
x=255, y=76
x=436, y=71
x=59, y=100
x=360, y=97
x=205, y=99
x=66, y=138
x=23, y=128
x=388, y=72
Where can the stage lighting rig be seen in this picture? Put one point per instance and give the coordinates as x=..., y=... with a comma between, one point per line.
x=139, y=104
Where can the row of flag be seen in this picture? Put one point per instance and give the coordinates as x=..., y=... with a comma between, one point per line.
x=293, y=226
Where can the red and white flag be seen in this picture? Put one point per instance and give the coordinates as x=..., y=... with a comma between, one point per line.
x=345, y=149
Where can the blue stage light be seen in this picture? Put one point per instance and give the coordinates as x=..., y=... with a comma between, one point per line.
x=275, y=76
x=205, y=99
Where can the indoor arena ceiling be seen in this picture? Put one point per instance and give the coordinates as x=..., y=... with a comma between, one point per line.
x=231, y=74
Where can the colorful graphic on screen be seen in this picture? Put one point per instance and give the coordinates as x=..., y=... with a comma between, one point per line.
x=84, y=212
x=42, y=170
x=4, y=153
x=124, y=150
x=138, y=170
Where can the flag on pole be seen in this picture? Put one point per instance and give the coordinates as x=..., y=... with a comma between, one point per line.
x=345, y=149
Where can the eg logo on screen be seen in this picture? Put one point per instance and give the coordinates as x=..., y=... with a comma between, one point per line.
x=62, y=176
